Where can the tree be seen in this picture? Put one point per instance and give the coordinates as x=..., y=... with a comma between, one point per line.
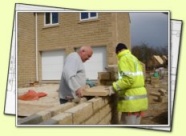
x=144, y=52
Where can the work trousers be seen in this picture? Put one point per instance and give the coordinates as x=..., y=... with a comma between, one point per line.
x=63, y=101
x=128, y=119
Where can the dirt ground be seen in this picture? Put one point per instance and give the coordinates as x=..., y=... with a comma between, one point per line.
x=157, y=112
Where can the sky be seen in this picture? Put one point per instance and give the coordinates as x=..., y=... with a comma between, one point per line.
x=150, y=28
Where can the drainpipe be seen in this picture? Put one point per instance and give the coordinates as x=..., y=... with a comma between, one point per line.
x=36, y=44
x=116, y=27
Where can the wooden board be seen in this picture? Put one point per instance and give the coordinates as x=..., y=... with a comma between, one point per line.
x=96, y=91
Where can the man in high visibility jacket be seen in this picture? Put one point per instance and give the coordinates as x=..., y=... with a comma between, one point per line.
x=130, y=88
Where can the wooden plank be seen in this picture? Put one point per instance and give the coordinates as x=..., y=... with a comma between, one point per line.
x=96, y=91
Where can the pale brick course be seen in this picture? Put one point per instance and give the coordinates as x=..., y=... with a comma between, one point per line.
x=81, y=112
x=92, y=112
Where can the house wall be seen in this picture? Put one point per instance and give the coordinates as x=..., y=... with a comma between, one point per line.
x=26, y=48
x=124, y=29
x=70, y=33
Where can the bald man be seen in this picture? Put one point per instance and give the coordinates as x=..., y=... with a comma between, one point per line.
x=73, y=79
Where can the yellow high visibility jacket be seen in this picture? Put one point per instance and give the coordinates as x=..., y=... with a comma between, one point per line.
x=130, y=84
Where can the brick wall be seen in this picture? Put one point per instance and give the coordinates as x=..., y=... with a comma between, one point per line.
x=96, y=111
x=26, y=49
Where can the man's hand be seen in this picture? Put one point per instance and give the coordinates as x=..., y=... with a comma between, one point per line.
x=80, y=91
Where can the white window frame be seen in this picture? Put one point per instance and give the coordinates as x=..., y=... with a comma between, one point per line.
x=89, y=17
x=50, y=19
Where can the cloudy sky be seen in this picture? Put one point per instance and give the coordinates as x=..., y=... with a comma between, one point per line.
x=150, y=28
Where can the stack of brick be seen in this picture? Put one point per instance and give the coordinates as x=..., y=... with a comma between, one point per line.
x=96, y=111
x=155, y=82
x=109, y=76
x=160, y=96
x=158, y=103
x=148, y=77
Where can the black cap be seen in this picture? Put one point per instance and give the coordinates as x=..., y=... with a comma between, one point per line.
x=120, y=47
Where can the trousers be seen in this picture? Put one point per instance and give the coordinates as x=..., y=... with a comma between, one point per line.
x=130, y=119
x=63, y=101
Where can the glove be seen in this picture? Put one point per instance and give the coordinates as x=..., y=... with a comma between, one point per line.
x=110, y=90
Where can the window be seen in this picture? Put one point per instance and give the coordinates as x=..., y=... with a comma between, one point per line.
x=88, y=15
x=51, y=18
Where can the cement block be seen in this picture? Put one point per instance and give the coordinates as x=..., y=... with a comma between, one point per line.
x=49, y=122
x=97, y=103
x=114, y=76
x=48, y=113
x=64, y=118
x=106, y=120
x=112, y=68
x=109, y=83
x=105, y=110
x=93, y=120
x=155, y=93
x=106, y=99
x=100, y=116
x=102, y=82
x=162, y=91
x=81, y=112
x=95, y=91
x=154, y=80
x=33, y=119
x=104, y=75
x=60, y=119
x=45, y=115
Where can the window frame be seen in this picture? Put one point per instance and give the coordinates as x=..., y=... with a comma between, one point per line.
x=51, y=19
x=89, y=16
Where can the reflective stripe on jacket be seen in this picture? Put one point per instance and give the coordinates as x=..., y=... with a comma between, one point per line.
x=130, y=85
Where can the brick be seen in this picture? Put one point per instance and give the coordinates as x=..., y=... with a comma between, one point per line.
x=154, y=80
x=109, y=83
x=155, y=85
x=162, y=91
x=93, y=120
x=33, y=119
x=95, y=91
x=64, y=119
x=105, y=110
x=114, y=76
x=100, y=116
x=49, y=122
x=155, y=93
x=46, y=114
x=104, y=75
x=112, y=68
x=97, y=103
x=106, y=99
x=158, y=98
x=81, y=112
x=106, y=120
x=60, y=119
x=102, y=82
